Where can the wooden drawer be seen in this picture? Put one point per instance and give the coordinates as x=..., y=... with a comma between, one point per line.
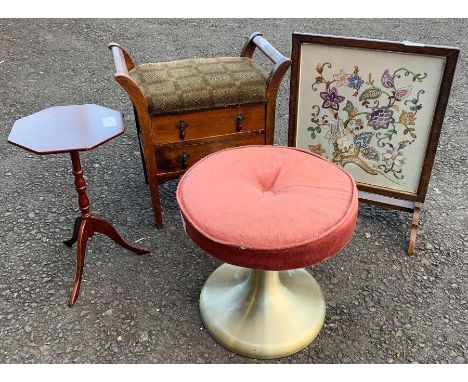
x=209, y=123
x=177, y=159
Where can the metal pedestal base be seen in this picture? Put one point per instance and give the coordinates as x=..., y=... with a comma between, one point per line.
x=262, y=314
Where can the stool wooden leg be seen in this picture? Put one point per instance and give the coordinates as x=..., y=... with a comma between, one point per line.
x=158, y=220
x=156, y=201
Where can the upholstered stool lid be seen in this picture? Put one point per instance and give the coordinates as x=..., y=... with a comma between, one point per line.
x=268, y=207
x=200, y=83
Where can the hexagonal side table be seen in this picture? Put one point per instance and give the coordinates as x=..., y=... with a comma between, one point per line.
x=73, y=129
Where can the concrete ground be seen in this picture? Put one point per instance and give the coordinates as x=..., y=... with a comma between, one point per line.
x=382, y=306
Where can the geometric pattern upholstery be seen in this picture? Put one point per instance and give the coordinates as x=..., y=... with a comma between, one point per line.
x=200, y=83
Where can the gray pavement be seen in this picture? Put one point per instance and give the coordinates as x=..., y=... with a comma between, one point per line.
x=382, y=307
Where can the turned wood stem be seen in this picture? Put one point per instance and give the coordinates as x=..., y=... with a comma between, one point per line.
x=80, y=185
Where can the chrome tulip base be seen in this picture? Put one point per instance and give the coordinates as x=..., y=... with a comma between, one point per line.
x=262, y=314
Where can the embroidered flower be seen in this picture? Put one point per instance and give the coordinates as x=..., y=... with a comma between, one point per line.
x=380, y=118
x=319, y=68
x=387, y=80
x=332, y=136
x=335, y=133
x=341, y=78
x=362, y=140
x=394, y=156
x=317, y=149
x=338, y=135
x=355, y=82
x=402, y=93
x=331, y=99
x=370, y=153
x=318, y=80
x=407, y=118
x=358, y=123
x=344, y=142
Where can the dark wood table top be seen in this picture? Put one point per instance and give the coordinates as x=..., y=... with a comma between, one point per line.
x=61, y=129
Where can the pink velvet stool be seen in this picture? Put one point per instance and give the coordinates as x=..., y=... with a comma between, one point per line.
x=268, y=212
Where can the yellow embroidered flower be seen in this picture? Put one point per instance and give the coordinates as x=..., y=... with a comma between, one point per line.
x=407, y=118
x=317, y=149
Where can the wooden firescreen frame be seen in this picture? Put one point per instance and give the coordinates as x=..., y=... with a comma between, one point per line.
x=369, y=193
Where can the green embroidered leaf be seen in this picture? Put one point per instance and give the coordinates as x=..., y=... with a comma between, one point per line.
x=350, y=109
x=371, y=93
x=410, y=130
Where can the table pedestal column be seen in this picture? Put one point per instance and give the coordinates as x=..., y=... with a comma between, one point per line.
x=85, y=227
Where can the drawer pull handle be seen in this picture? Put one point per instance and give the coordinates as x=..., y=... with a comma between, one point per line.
x=182, y=125
x=183, y=159
x=239, y=118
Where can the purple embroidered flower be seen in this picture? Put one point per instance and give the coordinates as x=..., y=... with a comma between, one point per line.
x=380, y=119
x=387, y=80
x=394, y=156
x=370, y=153
x=355, y=82
x=331, y=99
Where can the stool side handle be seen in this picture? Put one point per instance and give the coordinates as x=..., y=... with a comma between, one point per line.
x=273, y=85
x=277, y=74
x=123, y=63
x=249, y=46
x=256, y=40
x=282, y=64
x=122, y=60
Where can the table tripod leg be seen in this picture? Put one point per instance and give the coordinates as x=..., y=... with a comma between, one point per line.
x=76, y=230
x=84, y=233
x=102, y=226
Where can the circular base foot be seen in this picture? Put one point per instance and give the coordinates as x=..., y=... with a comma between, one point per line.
x=262, y=314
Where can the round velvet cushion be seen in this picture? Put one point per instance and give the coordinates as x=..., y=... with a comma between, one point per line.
x=268, y=207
